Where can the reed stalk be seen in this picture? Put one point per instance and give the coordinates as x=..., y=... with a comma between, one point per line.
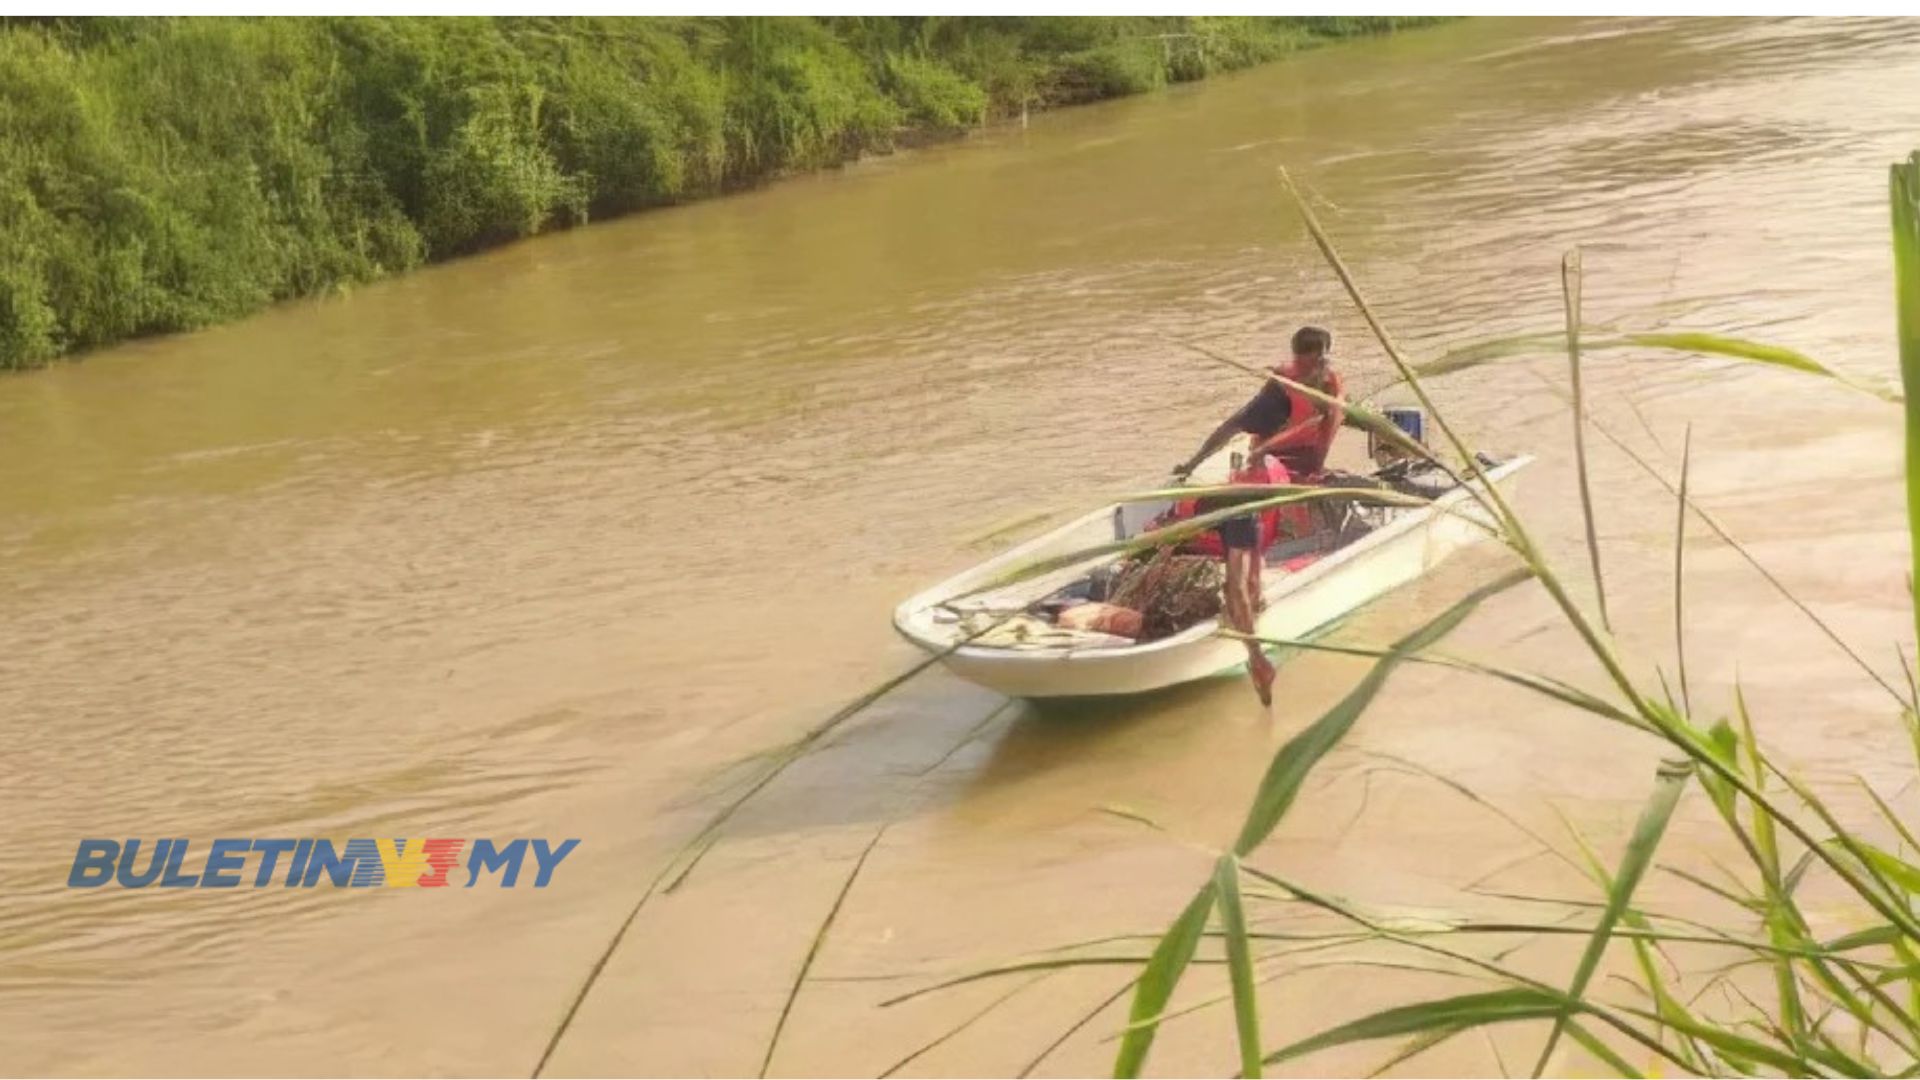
x=1679, y=571
x=1570, y=291
x=813, y=949
x=1905, y=199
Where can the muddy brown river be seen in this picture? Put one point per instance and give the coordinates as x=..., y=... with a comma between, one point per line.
x=561, y=540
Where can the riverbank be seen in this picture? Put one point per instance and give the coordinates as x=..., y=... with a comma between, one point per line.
x=167, y=174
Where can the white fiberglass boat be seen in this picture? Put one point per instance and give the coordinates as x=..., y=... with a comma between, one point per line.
x=991, y=636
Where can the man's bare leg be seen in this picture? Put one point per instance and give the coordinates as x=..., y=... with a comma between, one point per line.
x=1242, y=612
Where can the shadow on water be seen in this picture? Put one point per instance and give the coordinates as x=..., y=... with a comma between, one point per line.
x=1122, y=708
x=962, y=750
x=1045, y=736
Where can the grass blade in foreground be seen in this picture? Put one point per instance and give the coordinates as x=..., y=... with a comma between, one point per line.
x=1906, y=278
x=1679, y=574
x=1162, y=974
x=1415, y=1046
x=1739, y=349
x=1601, y=1050
x=1297, y=758
x=813, y=950
x=1570, y=293
x=1277, y=791
x=936, y=1042
x=1233, y=921
x=1669, y=782
x=1466, y=1010
x=1476, y=353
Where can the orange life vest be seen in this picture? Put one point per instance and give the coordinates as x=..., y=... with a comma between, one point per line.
x=1305, y=459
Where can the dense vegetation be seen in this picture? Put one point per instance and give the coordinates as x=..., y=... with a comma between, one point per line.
x=162, y=174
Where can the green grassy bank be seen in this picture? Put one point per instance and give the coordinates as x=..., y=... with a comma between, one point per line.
x=163, y=174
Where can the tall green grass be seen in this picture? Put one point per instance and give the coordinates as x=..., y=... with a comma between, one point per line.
x=163, y=174
x=1835, y=1005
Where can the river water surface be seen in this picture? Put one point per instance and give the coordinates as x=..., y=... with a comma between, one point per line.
x=554, y=541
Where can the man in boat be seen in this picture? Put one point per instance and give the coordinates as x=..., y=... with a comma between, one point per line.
x=1295, y=428
x=1289, y=429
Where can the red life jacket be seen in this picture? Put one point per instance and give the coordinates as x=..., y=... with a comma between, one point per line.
x=1292, y=520
x=1305, y=459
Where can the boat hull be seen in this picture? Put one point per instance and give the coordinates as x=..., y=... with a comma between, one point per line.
x=1301, y=604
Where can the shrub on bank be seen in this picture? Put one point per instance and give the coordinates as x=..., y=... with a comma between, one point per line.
x=163, y=174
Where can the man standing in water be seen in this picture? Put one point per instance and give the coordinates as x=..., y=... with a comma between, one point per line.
x=1294, y=429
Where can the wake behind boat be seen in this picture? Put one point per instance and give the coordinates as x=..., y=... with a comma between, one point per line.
x=1024, y=639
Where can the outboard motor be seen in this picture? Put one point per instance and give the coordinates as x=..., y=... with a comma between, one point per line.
x=1410, y=419
x=1403, y=471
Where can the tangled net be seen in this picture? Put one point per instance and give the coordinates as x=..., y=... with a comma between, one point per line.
x=1169, y=590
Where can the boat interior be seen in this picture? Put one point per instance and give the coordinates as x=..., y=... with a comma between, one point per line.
x=1122, y=598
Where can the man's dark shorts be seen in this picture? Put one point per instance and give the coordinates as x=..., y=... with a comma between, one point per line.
x=1241, y=533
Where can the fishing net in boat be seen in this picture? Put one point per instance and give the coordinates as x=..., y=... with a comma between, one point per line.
x=1170, y=591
